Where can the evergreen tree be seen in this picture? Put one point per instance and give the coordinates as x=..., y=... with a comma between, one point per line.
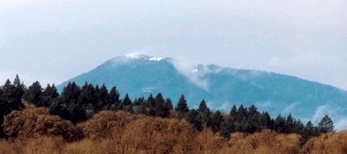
x=49, y=94
x=279, y=124
x=33, y=94
x=298, y=127
x=216, y=121
x=308, y=131
x=168, y=103
x=140, y=101
x=102, y=96
x=114, y=98
x=12, y=95
x=181, y=107
x=70, y=93
x=203, y=107
x=265, y=120
x=126, y=101
x=289, y=124
x=126, y=104
x=55, y=107
x=159, y=99
x=4, y=109
x=77, y=113
x=226, y=128
x=253, y=110
x=204, y=113
x=141, y=109
x=326, y=124
x=233, y=112
x=242, y=114
x=195, y=120
x=150, y=101
x=161, y=108
x=151, y=112
x=19, y=90
x=87, y=95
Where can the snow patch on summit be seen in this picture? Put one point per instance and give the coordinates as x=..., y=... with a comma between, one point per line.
x=134, y=55
x=155, y=58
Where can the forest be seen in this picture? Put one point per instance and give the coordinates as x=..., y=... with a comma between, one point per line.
x=94, y=119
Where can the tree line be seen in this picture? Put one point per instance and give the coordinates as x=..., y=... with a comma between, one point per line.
x=79, y=104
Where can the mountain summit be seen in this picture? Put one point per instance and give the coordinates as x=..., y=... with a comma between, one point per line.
x=221, y=87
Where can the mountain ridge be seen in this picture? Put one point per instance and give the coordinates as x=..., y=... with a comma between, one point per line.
x=220, y=86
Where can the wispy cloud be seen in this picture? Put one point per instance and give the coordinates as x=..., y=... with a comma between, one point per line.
x=291, y=107
x=336, y=114
x=321, y=111
x=341, y=124
x=186, y=68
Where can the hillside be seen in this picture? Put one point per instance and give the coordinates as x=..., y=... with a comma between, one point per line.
x=221, y=87
x=122, y=132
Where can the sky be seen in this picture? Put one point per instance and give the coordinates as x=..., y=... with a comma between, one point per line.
x=53, y=41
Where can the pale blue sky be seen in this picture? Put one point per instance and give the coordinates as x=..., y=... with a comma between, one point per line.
x=52, y=41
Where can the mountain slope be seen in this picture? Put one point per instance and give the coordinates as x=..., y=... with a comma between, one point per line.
x=221, y=87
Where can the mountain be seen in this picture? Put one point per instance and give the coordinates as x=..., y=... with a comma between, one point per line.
x=221, y=87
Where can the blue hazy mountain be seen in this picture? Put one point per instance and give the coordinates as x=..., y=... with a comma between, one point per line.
x=221, y=87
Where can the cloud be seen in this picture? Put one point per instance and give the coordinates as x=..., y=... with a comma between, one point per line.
x=321, y=111
x=304, y=59
x=320, y=66
x=224, y=107
x=187, y=69
x=290, y=107
x=8, y=4
x=264, y=104
x=341, y=124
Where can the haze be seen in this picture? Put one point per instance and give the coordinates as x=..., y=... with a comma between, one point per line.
x=52, y=41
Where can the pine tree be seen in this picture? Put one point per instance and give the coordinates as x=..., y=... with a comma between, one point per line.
x=182, y=107
x=161, y=108
x=168, y=103
x=126, y=101
x=326, y=124
x=55, y=107
x=70, y=93
x=233, y=112
x=114, y=98
x=87, y=95
x=12, y=95
x=289, y=124
x=4, y=109
x=151, y=112
x=265, y=120
x=102, y=95
x=226, y=128
x=49, y=94
x=150, y=101
x=203, y=107
x=77, y=113
x=279, y=124
x=216, y=121
x=33, y=94
x=19, y=90
x=308, y=131
x=141, y=109
x=126, y=104
x=242, y=114
x=195, y=120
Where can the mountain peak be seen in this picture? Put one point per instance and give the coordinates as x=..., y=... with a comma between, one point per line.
x=134, y=57
x=140, y=75
x=145, y=57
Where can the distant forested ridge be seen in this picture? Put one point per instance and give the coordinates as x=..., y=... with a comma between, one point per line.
x=91, y=112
